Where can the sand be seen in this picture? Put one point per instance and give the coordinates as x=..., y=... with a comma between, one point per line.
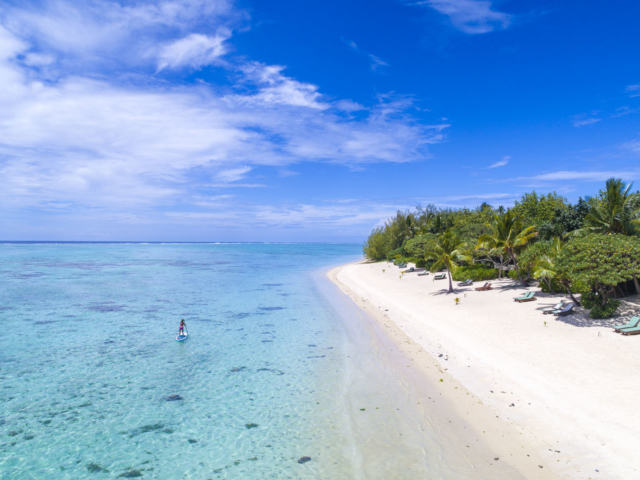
x=553, y=397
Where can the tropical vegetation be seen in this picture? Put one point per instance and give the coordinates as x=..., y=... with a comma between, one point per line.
x=591, y=248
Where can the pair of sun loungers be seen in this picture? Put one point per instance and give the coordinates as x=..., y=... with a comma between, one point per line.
x=631, y=328
x=402, y=265
x=559, y=310
x=440, y=276
x=412, y=269
x=486, y=286
x=466, y=283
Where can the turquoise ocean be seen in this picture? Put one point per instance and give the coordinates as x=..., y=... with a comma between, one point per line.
x=89, y=361
x=276, y=368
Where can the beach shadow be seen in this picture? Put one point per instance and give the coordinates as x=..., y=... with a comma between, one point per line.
x=581, y=319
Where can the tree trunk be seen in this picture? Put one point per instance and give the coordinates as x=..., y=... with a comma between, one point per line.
x=513, y=257
x=501, y=267
x=550, y=287
x=635, y=281
x=573, y=299
x=450, y=284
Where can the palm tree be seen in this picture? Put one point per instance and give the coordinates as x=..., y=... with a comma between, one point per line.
x=446, y=252
x=545, y=269
x=491, y=249
x=617, y=212
x=509, y=234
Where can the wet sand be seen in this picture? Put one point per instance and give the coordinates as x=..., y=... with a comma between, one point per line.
x=561, y=391
x=418, y=421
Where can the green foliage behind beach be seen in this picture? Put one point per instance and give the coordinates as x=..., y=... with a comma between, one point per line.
x=591, y=247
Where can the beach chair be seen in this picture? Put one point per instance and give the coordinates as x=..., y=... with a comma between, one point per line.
x=440, y=276
x=426, y=272
x=466, y=283
x=547, y=310
x=633, y=323
x=402, y=265
x=566, y=310
x=412, y=269
x=630, y=331
x=486, y=286
x=527, y=297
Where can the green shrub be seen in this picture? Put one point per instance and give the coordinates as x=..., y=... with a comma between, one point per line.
x=376, y=245
x=417, y=260
x=476, y=273
x=593, y=302
x=417, y=246
x=557, y=286
x=391, y=256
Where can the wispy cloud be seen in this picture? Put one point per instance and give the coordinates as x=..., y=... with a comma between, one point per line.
x=633, y=90
x=233, y=174
x=622, y=111
x=595, y=176
x=584, y=119
x=632, y=145
x=500, y=163
x=470, y=16
x=110, y=136
x=374, y=62
x=194, y=50
x=278, y=89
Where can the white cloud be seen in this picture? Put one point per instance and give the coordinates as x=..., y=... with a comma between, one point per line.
x=193, y=51
x=96, y=144
x=275, y=88
x=348, y=106
x=375, y=62
x=233, y=174
x=583, y=120
x=38, y=59
x=86, y=33
x=632, y=145
x=584, y=176
x=633, y=90
x=90, y=128
x=470, y=16
x=500, y=163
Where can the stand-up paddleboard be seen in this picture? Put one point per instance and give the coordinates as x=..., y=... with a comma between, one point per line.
x=182, y=338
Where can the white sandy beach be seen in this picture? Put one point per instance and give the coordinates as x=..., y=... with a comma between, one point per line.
x=564, y=394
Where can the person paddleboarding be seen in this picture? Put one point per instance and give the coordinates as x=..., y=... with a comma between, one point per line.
x=182, y=333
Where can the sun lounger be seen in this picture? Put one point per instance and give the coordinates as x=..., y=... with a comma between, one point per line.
x=440, y=276
x=402, y=265
x=426, y=272
x=486, y=286
x=466, y=283
x=412, y=269
x=631, y=331
x=527, y=297
x=552, y=309
x=633, y=323
x=566, y=310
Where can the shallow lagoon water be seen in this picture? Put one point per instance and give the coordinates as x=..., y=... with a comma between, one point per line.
x=88, y=358
x=279, y=365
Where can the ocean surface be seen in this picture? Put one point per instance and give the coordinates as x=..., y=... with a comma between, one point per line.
x=93, y=383
x=282, y=376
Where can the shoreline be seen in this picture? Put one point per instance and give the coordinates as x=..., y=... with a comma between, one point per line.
x=467, y=431
x=524, y=380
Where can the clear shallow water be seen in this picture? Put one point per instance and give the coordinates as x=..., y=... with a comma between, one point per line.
x=88, y=358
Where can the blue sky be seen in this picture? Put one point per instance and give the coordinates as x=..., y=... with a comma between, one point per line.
x=283, y=120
